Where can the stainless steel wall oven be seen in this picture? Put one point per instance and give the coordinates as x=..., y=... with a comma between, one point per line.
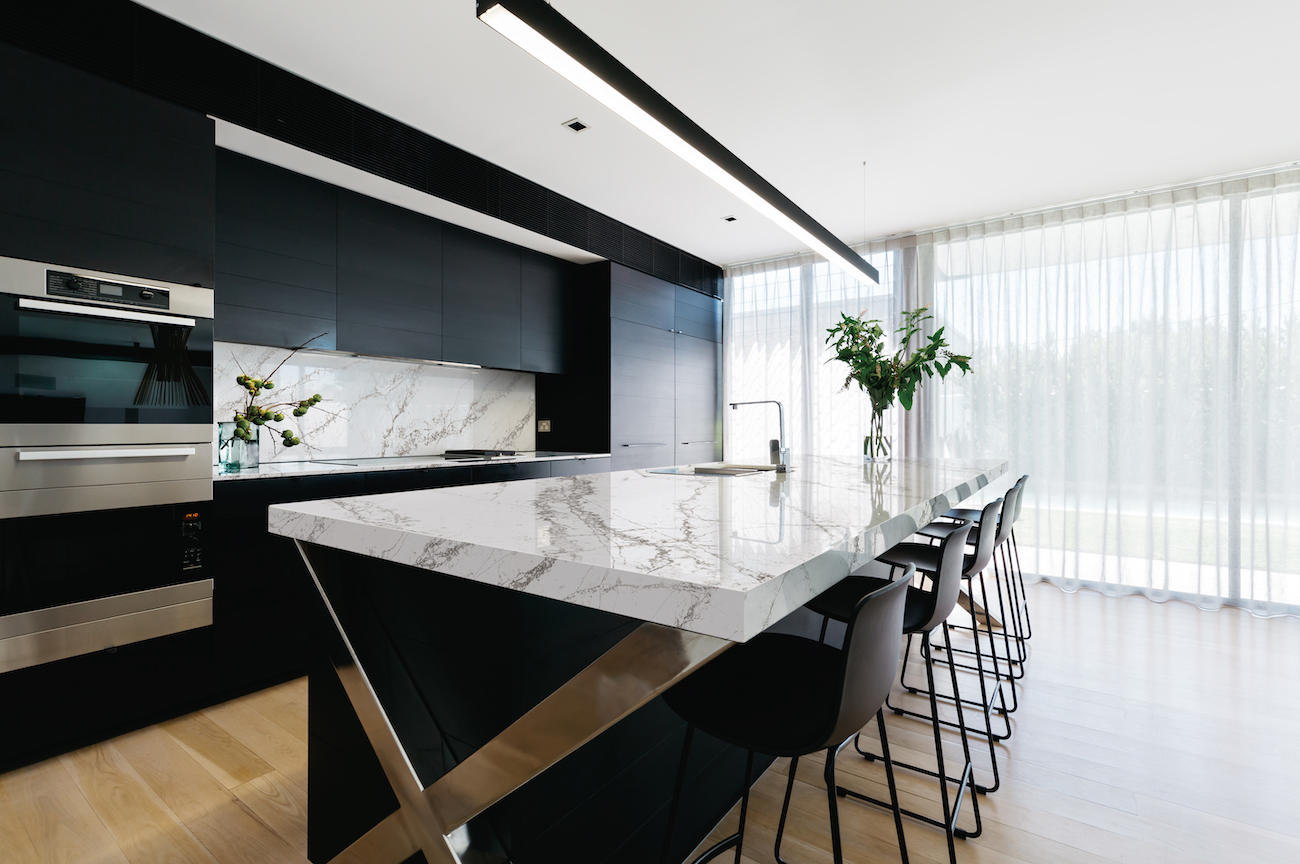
x=105, y=460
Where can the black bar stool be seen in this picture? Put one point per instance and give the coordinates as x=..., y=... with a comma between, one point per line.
x=788, y=696
x=924, y=612
x=1012, y=629
x=926, y=559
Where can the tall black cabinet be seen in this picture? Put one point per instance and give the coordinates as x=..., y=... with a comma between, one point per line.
x=664, y=370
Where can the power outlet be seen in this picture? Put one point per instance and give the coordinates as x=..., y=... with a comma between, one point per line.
x=543, y=425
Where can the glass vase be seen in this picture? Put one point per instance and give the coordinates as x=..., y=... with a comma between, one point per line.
x=236, y=454
x=876, y=444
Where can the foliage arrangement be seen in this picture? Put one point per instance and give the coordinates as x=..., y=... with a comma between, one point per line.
x=259, y=415
x=861, y=344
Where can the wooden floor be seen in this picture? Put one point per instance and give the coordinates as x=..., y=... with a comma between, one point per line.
x=1146, y=734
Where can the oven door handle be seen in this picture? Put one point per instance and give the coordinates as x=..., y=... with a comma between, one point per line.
x=103, y=312
x=103, y=453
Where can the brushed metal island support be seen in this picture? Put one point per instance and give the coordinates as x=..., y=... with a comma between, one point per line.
x=648, y=661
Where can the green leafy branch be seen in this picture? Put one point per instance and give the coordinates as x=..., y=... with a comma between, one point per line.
x=259, y=415
x=860, y=343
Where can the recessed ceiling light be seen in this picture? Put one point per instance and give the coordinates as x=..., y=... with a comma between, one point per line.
x=728, y=218
x=575, y=124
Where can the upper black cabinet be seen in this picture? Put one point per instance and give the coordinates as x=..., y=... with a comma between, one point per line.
x=641, y=299
x=482, y=299
x=97, y=176
x=277, y=246
x=697, y=314
x=390, y=280
x=550, y=312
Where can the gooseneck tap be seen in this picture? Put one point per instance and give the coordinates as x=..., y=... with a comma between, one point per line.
x=780, y=454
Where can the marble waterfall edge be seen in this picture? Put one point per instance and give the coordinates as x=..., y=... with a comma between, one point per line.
x=374, y=407
x=723, y=556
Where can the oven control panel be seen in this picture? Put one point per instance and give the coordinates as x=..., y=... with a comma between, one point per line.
x=59, y=283
x=191, y=540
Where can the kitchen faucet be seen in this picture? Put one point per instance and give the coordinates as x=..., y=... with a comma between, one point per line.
x=779, y=453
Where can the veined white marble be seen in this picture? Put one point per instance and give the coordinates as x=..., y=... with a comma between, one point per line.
x=375, y=407
x=724, y=556
x=407, y=463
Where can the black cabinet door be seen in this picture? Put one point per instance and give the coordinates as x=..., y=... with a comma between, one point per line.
x=95, y=175
x=420, y=478
x=697, y=406
x=696, y=314
x=545, y=307
x=642, y=373
x=510, y=471
x=571, y=467
x=641, y=299
x=276, y=252
x=390, y=280
x=481, y=299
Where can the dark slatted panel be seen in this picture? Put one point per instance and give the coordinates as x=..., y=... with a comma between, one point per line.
x=638, y=250
x=666, y=261
x=566, y=220
x=383, y=146
x=458, y=176
x=522, y=202
x=297, y=111
x=138, y=47
x=604, y=236
x=692, y=272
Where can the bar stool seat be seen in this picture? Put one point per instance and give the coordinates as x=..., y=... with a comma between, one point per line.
x=837, y=602
x=775, y=694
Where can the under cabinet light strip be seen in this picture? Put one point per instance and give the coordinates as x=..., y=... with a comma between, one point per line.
x=552, y=39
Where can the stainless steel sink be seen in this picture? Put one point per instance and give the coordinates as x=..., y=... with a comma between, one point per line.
x=715, y=469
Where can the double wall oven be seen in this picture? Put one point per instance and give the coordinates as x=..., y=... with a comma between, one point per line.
x=105, y=460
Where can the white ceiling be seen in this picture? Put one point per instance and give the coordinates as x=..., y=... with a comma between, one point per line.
x=959, y=109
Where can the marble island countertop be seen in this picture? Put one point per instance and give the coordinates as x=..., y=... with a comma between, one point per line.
x=723, y=556
x=343, y=465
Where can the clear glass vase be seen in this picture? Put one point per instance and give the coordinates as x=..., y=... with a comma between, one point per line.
x=876, y=444
x=235, y=454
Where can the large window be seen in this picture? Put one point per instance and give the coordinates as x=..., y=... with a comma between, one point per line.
x=1135, y=357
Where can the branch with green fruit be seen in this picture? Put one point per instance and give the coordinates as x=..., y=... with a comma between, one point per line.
x=260, y=415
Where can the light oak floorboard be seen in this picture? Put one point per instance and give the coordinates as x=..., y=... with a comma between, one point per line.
x=1152, y=734
x=1146, y=733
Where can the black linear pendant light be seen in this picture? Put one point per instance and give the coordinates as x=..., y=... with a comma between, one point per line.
x=550, y=37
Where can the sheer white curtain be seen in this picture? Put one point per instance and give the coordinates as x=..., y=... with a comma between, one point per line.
x=776, y=314
x=1135, y=357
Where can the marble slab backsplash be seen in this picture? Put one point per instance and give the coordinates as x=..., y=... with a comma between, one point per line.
x=373, y=407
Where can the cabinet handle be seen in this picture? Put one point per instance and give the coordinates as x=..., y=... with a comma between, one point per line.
x=655, y=444
x=59, y=455
x=103, y=312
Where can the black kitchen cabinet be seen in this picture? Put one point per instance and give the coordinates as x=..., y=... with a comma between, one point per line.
x=510, y=471
x=277, y=249
x=640, y=298
x=482, y=299
x=94, y=175
x=696, y=314
x=390, y=280
x=697, y=405
x=641, y=376
x=664, y=354
x=573, y=467
x=548, y=310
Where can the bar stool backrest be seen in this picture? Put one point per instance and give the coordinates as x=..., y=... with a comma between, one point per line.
x=1010, y=504
x=947, y=582
x=984, y=548
x=1015, y=517
x=870, y=658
